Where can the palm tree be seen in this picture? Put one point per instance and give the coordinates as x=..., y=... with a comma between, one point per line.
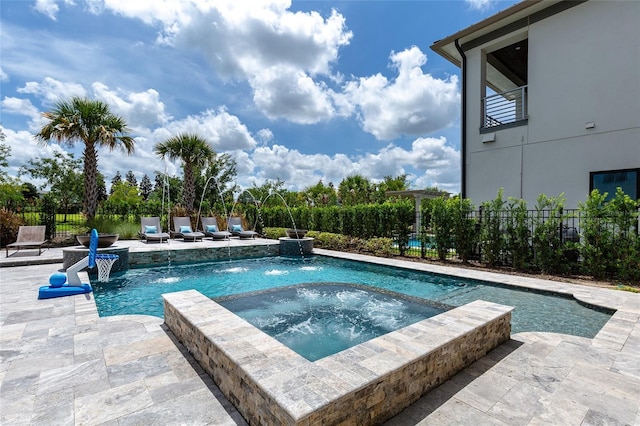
x=195, y=153
x=91, y=122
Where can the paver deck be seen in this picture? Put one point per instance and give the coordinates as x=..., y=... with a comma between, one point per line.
x=63, y=364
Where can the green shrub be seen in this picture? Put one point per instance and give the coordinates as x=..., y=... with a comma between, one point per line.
x=274, y=233
x=362, y=221
x=610, y=246
x=9, y=224
x=518, y=234
x=548, y=250
x=463, y=226
x=127, y=230
x=441, y=226
x=624, y=218
x=330, y=241
x=379, y=246
x=597, y=241
x=493, y=240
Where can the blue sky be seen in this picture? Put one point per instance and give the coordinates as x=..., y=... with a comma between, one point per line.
x=299, y=91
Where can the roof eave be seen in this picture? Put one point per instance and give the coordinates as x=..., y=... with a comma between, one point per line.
x=452, y=55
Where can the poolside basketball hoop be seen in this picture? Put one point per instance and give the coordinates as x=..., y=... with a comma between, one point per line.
x=104, y=262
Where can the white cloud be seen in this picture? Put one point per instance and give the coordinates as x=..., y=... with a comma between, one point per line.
x=265, y=136
x=224, y=131
x=3, y=75
x=479, y=4
x=278, y=52
x=297, y=170
x=51, y=90
x=148, y=11
x=290, y=93
x=414, y=103
x=18, y=106
x=24, y=148
x=139, y=109
x=47, y=7
x=429, y=162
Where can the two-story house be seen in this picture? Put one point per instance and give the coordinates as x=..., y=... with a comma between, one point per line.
x=550, y=100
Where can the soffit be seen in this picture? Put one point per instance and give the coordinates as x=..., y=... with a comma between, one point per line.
x=504, y=22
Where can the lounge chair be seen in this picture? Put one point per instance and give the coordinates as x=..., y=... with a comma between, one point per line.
x=182, y=229
x=150, y=230
x=29, y=237
x=234, y=225
x=211, y=229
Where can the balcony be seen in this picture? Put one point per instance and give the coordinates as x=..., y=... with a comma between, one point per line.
x=506, y=108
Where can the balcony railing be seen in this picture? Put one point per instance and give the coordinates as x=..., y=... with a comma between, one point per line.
x=506, y=107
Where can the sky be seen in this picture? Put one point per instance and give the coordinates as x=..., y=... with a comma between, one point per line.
x=299, y=91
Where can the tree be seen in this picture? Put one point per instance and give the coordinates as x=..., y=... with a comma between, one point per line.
x=321, y=195
x=116, y=179
x=398, y=183
x=123, y=199
x=379, y=191
x=355, y=189
x=195, y=154
x=145, y=187
x=102, y=187
x=10, y=188
x=266, y=193
x=220, y=175
x=30, y=192
x=166, y=188
x=11, y=194
x=131, y=178
x=92, y=123
x=62, y=176
x=5, y=152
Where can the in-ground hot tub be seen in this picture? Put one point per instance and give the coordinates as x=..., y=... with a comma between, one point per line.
x=271, y=384
x=321, y=319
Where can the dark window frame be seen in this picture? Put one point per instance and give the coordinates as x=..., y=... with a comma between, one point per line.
x=601, y=172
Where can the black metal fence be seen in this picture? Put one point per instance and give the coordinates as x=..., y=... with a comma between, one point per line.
x=566, y=229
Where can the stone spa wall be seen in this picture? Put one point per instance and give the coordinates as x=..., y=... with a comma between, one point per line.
x=272, y=385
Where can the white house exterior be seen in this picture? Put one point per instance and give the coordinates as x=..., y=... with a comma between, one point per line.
x=566, y=118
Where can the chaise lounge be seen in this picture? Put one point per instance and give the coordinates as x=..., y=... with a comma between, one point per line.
x=150, y=230
x=234, y=224
x=182, y=229
x=211, y=229
x=29, y=237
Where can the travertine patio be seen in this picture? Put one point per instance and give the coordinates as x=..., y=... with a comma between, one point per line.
x=63, y=364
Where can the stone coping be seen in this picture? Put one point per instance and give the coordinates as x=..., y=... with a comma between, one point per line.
x=270, y=384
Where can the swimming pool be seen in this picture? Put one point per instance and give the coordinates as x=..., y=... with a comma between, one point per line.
x=138, y=291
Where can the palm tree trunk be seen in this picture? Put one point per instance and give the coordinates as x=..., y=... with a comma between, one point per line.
x=189, y=194
x=90, y=187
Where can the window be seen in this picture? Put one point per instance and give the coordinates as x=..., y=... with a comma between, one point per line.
x=608, y=181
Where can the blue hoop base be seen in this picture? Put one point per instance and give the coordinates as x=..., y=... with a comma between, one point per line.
x=47, y=292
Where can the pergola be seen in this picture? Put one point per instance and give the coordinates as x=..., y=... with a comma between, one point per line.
x=418, y=195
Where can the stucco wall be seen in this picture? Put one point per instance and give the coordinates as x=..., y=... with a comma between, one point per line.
x=583, y=67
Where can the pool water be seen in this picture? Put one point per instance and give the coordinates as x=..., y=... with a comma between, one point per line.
x=138, y=291
x=318, y=320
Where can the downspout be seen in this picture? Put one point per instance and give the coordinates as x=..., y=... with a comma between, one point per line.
x=463, y=139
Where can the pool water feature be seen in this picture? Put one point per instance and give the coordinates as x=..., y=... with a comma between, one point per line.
x=317, y=320
x=138, y=291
